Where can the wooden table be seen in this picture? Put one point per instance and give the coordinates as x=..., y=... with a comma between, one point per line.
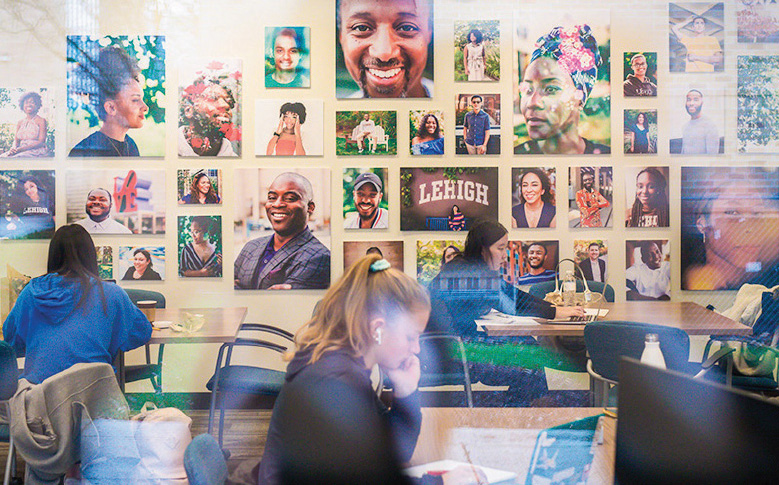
x=441, y=434
x=690, y=317
x=221, y=326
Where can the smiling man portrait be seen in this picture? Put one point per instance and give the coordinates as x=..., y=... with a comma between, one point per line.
x=291, y=257
x=384, y=49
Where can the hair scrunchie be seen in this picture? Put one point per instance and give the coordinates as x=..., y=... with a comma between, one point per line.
x=379, y=265
x=576, y=52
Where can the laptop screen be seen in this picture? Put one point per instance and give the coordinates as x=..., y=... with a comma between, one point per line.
x=675, y=429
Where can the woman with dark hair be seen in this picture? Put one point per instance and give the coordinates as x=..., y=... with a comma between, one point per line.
x=469, y=287
x=289, y=48
x=456, y=219
x=554, y=90
x=68, y=316
x=428, y=140
x=473, y=56
x=450, y=253
x=639, y=135
x=120, y=107
x=287, y=139
x=142, y=267
x=32, y=204
x=201, y=191
x=200, y=257
x=650, y=209
x=536, y=207
x=30, y=137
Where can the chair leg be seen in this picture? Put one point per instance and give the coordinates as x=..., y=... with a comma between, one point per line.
x=211, y=411
x=10, y=464
x=221, y=422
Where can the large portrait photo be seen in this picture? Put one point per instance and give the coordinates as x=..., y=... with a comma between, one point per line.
x=142, y=263
x=426, y=129
x=647, y=197
x=562, y=101
x=590, y=197
x=117, y=201
x=27, y=201
x=758, y=21
x=532, y=262
x=433, y=255
x=757, y=124
x=477, y=50
x=366, y=132
x=371, y=64
x=730, y=227
x=210, y=108
x=116, y=94
x=281, y=229
x=392, y=251
x=477, y=119
x=287, y=57
x=447, y=198
x=697, y=121
x=648, y=270
x=289, y=127
x=200, y=246
x=26, y=123
x=697, y=37
x=365, y=198
x=533, y=197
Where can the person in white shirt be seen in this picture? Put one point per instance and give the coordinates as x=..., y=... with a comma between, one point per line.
x=367, y=193
x=651, y=278
x=367, y=126
x=98, y=209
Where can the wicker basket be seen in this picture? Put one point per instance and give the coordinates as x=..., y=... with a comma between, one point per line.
x=586, y=298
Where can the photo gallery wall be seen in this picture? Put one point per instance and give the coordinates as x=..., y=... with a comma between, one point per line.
x=562, y=128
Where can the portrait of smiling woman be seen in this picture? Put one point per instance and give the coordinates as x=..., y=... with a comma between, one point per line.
x=535, y=193
x=286, y=57
x=561, y=106
x=141, y=265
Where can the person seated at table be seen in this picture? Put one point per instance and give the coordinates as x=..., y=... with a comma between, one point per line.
x=68, y=316
x=466, y=289
x=328, y=425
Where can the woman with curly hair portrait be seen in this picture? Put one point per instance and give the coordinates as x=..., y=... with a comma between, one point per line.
x=554, y=90
x=429, y=140
x=536, y=207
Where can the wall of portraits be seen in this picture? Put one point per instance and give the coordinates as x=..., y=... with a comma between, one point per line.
x=591, y=134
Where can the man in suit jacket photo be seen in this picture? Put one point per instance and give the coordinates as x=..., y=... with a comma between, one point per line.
x=291, y=257
x=593, y=267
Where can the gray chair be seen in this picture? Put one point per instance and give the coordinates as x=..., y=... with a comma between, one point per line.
x=9, y=378
x=205, y=462
x=231, y=378
x=608, y=341
x=539, y=290
x=149, y=370
x=445, y=372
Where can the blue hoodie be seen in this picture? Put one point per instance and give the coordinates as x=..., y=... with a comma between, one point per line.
x=54, y=336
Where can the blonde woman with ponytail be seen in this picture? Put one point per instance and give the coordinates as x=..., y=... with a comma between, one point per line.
x=328, y=425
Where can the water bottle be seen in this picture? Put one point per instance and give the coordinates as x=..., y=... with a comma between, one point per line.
x=569, y=289
x=652, y=354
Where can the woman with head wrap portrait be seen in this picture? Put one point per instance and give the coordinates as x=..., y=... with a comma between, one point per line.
x=554, y=89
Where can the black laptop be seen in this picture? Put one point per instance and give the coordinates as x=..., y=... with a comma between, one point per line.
x=675, y=429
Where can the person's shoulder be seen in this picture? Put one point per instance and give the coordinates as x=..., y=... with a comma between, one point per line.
x=92, y=146
x=186, y=199
x=315, y=245
x=256, y=243
x=529, y=147
x=591, y=148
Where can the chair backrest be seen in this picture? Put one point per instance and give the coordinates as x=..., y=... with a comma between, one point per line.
x=204, y=461
x=608, y=341
x=9, y=374
x=141, y=295
x=539, y=290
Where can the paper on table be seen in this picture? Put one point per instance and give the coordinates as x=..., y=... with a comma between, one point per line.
x=495, y=317
x=493, y=475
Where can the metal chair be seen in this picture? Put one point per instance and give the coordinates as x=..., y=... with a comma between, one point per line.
x=205, y=462
x=440, y=371
x=608, y=341
x=241, y=378
x=149, y=370
x=9, y=377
